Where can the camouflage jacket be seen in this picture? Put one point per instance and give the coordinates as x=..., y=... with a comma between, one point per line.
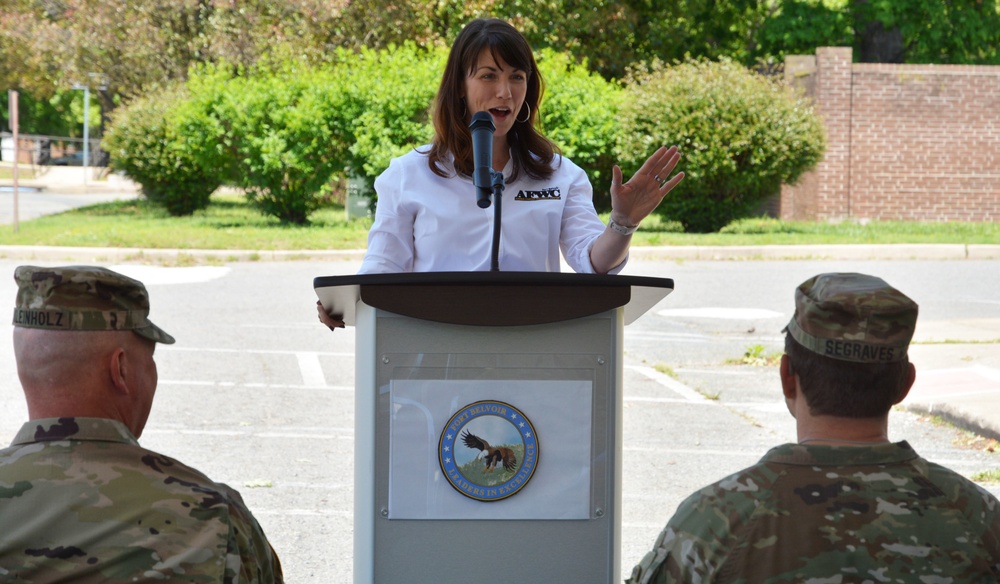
x=81, y=501
x=829, y=514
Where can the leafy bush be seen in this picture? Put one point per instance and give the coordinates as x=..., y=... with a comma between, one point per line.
x=382, y=99
x=381, y=103
x=267, y=132
x=146, y=143
x=579, y=113
x=741, y=136
x=284, y=130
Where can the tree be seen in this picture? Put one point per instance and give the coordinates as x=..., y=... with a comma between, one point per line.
x=926, y=31
x=742, y=136
x=137, y=46
x=798, y=27
x=31, y=53
x=887, y=31
x=611, y=35
x=59, y=115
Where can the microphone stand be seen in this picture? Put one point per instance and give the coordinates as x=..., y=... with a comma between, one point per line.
x=488, y=182
x=497, y=186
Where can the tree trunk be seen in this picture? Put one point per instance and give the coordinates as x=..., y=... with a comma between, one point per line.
x=875, y=43
x=880, y=45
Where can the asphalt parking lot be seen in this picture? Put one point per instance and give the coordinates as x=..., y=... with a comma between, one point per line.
x=258, y=395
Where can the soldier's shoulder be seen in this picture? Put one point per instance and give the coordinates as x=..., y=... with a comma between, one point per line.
x=738, y=495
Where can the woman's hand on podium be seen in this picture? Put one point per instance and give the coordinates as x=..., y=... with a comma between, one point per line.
x=329, y=320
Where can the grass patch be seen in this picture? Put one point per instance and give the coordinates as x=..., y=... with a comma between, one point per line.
x=754, y=356
x=753, y=421
x=987, y=476
x=958, y=342
x=713, y=396
x=766, y=231
x=231, y=223
x=666, y=370
x=228, y=223
x=24, y=172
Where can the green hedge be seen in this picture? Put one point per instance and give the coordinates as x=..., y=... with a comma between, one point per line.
x=383, y=100
x=146, y=142
x=284, y=131
x=580, y=114
x=741, y=136
x=269, y=134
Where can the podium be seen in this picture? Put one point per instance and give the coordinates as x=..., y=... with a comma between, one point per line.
x=488, y=423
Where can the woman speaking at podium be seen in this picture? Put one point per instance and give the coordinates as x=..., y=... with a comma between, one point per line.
x=427, y=218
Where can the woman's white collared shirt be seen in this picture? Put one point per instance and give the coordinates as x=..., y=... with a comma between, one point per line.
x=427, y=223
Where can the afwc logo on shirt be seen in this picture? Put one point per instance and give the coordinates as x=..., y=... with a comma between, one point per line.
x=550, y=194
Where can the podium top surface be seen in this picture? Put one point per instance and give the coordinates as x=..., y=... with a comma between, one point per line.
x=492, y=298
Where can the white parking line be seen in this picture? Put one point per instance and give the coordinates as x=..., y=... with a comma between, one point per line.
x=657, y=400
x=170, y=348
x=246, y=434
x=156, y=275
x=343, y=388
x=304, y=512
x=756, y=454
x=312, y=372
x=670, y=383
x=692, y=337
x=721, y=312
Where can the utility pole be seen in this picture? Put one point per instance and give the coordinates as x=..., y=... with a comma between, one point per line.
x=12, y=104
x=86, y=126
x=102, y=84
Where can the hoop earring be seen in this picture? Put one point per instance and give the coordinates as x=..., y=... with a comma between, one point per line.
x=527, y=117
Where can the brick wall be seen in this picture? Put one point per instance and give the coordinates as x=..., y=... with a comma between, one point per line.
x=904, y=142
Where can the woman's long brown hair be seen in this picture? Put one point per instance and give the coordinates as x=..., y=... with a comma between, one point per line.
x=531, y=152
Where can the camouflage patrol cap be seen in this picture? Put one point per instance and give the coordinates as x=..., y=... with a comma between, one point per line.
x=83, y=298
x=853, y=317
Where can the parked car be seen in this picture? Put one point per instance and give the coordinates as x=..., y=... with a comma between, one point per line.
x=72, y=159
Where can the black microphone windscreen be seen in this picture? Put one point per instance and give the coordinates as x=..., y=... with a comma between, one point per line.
x=482, y=128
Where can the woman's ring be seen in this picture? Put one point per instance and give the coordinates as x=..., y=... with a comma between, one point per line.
x=658, y=179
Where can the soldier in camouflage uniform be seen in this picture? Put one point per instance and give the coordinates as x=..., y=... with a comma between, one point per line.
x=80, y=500
x=844, y=504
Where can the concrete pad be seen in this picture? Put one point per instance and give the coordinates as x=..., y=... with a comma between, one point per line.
x=967, y=397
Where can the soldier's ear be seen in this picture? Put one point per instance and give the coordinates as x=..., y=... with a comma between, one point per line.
x=119, y=370
x=788, y=386
x=911, y=376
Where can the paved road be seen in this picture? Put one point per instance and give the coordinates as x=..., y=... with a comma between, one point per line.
x=59, y=189
x=257, y=394
x=32, y=205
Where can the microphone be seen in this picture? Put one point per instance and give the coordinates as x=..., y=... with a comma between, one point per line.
x=482, y=128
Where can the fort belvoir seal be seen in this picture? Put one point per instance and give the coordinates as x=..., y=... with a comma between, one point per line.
x=488, y=450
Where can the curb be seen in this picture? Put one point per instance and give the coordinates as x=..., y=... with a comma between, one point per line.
x=171, y=256
x=661, y=253
x=961, y=418
x=902, y=251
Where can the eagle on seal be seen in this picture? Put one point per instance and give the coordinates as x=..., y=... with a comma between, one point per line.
x=492, y=454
